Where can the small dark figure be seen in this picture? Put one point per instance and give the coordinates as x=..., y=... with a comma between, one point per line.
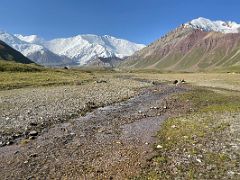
x=66, y=67
x=175, y=82
x=155, y=83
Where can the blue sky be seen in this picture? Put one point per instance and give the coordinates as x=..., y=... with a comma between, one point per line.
x=141, y=21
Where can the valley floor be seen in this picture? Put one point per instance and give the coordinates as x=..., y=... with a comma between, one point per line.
x=121, y=125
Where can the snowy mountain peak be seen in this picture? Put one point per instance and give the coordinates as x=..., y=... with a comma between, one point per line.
x=30, y=38
x=217, y=26
x=79, y=49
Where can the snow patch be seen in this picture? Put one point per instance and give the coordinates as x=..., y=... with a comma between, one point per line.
x=217, y=26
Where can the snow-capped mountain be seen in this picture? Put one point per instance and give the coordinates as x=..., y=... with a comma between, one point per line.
x=29, y=50
x=78, y=50
x=217, y=26
x=83, y=48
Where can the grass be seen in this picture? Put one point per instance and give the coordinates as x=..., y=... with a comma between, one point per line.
x=227, y=81
x=16, y=80
x=8, y=66
x=198, y=145
x=14, y=75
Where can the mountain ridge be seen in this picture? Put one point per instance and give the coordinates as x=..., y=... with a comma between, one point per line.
x=189, y=48
x=76, y=51
x=7, y=53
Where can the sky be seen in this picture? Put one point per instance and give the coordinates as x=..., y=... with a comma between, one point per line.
x=141, y=21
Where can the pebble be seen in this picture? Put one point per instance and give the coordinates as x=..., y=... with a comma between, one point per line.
x=9, y=143
x=33, y=124
x=25, y=162
x=118, y=142
x=72, y=134
x=34, y=155
x=33, y=133
x=32, y=137
x=198, y=160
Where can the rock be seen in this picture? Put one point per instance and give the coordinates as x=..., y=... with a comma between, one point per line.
x=154, y=107
x=101, y=81
x=25, y=162
x=33, y=124
x=100, y=130
x=72, y=134
x=100, y=171
x=198, y=160
x=33, y=133
x=32, y=137
x=209, y=167
x=159, y=146
x=118, y=142
x=66, y=67
x=9, y=143
x=2, y=144
x=34, y=155
x=183, y=81
x=14, y=136
x=16, y=152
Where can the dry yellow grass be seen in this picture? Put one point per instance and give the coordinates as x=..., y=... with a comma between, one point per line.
x=228, y=81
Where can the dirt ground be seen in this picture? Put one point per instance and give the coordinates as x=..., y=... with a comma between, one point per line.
x=111, y=142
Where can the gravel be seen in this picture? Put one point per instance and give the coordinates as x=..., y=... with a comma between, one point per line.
x=28, y=109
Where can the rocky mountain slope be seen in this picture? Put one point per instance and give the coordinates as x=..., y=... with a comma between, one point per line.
x=9, y=54
x=197, y=45
x=75, y=51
